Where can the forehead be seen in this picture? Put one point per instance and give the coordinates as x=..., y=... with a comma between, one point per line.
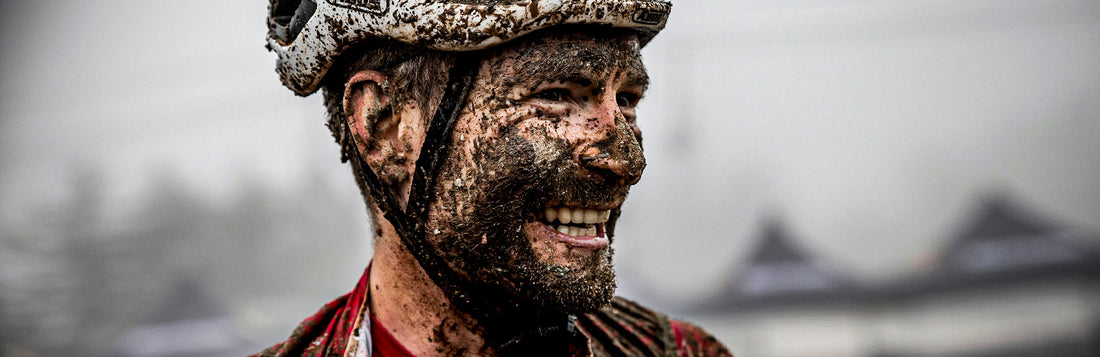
x=568, y=54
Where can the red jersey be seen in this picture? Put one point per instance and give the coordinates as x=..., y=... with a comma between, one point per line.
x=343, y=328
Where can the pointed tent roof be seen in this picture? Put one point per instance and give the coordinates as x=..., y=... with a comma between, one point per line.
x=779, y=271
x=776, y=246
x=1003, y=243
x=1002, y=236
x=998, y=216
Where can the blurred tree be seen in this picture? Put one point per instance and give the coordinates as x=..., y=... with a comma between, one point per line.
x=87, y=268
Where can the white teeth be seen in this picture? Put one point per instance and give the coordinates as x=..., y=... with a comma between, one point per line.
x=576, y=231
x=551, y=214
x=576, y=215
x=565, y=215
x=589, y=216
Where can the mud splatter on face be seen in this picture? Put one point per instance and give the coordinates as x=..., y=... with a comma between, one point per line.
x=511, y=159
x=485, y=238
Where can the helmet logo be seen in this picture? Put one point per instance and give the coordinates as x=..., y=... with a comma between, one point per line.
x=369, y=6
x=649, y=17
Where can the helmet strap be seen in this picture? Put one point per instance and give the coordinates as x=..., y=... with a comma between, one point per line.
x=410, y=223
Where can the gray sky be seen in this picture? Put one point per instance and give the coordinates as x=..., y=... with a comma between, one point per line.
x=869, y=127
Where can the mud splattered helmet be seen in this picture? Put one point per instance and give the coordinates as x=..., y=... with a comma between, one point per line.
x=308, y=35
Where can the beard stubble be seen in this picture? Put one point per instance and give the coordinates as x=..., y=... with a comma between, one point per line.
x=485, y=242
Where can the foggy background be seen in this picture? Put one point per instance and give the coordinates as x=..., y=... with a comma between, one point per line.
x=146, y=146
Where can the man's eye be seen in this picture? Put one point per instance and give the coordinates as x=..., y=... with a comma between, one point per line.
x=626, y=99
x=553, y=95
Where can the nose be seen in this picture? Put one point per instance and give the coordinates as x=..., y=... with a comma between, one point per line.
x=610, y=148
x=616, y=170
x=615, y=155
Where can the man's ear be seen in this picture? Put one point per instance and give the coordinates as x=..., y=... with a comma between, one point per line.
x=376, y=125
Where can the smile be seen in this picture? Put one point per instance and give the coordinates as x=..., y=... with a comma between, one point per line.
x=577, y=226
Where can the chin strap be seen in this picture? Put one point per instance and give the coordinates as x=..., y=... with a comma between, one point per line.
x=410, y=223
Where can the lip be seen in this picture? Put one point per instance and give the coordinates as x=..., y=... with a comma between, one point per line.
x=587, y=242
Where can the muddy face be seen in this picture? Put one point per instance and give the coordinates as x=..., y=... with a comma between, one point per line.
x=542, y=157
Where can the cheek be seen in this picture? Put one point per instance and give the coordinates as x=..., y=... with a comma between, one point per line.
x=494, y=135
x=548, y=146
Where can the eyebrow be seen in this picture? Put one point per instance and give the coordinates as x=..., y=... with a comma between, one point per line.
x=579, y=71
x=578, y=79
x=637, y=79
x=633, y=78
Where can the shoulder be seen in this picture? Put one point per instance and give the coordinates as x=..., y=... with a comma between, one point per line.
x=317, y=335
x=628, y=327
x=692, y=340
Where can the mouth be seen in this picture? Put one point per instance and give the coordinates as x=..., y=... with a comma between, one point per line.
x=577, y=226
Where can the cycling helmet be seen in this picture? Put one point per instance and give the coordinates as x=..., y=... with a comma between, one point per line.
x=309, y=35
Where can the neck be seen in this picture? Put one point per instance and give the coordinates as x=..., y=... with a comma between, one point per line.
x=414, y=309
x=420, y=316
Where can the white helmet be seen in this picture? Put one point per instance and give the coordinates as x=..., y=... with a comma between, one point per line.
x=309, y=35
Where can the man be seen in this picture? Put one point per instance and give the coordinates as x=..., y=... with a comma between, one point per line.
x=494, y=142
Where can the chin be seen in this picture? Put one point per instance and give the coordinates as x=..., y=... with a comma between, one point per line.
x=573, y=290
x=524, y=267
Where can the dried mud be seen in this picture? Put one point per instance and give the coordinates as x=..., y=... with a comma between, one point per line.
x=509, y=161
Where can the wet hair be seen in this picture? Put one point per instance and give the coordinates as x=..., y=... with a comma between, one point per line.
x=416, y=74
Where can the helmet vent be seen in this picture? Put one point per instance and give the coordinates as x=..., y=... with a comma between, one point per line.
x=288, y=18
x=368, y=6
